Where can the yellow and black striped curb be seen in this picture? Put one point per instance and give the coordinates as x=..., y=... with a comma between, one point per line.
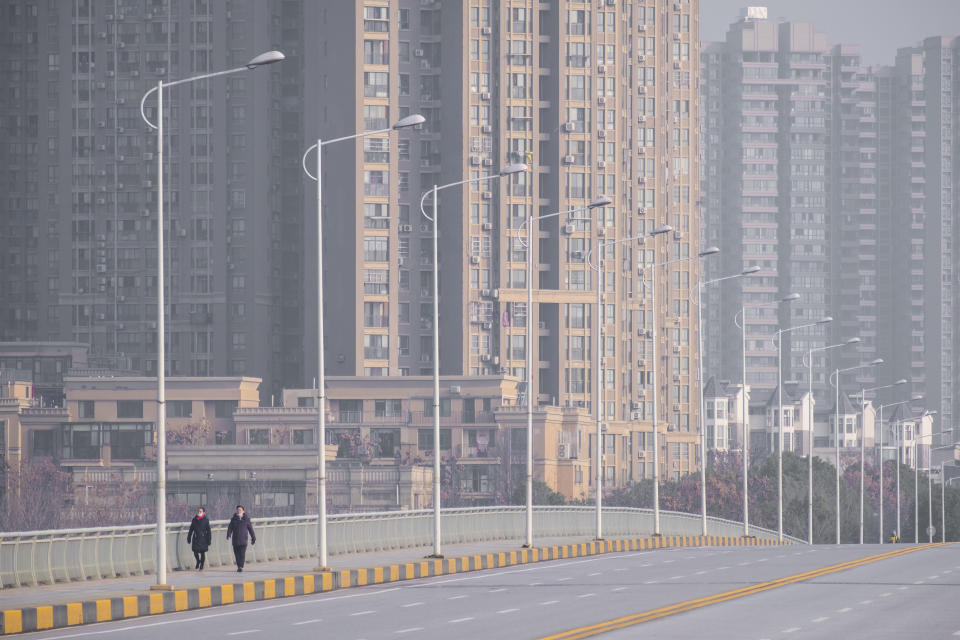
x=110, y=609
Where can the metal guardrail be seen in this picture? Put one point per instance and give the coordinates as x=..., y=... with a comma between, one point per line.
x=44, y=557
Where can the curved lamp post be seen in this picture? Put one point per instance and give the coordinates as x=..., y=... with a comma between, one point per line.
x=913, y=398
x=709, y=251
x=743, y=398
x=703, y=437
x=263, y=59
x=503, y=173
x=602, y=201
x=409, y=121
x=780, y=333
x=599, y=361
x=810, y=353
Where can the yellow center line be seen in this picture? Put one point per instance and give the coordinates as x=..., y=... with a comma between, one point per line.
x=688, y=605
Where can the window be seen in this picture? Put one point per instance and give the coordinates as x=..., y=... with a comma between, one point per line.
x=376, y=84
x=258, y=436
x=303, y=436
x=129, y=408
x=425, y=439
x=375, y=117
x=376, y=183
x=85, y=409
x=375, y=248
x=42, y=443
x=376, y=19
x=224, y=408
x=179, y=408
x=376, y=51
x=274, y=499
x=305, y=401
x=376, y=314
x=387, y=408
x=376, y=347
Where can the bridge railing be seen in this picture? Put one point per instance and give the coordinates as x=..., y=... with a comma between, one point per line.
x=45, y=557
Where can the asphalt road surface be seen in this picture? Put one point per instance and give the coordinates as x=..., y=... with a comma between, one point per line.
x=849, y=591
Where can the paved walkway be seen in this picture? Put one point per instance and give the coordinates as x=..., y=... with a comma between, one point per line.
x=64, y=592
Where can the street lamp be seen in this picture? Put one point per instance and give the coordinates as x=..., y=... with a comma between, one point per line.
x=599, y=359
x=836, y=421
x=863, y=415
x=703, y=438
x=743, y=399
x=810, y=432
x=709, y=251
x=780, y=333
x=409, y=121
x=602, y=201
x=507, y=171
x=916, y=482
x=263, y=59
x=913, y=398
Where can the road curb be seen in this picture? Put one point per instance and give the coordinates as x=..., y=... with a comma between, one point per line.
x=41, y=618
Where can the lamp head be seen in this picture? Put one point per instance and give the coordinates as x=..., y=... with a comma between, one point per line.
x=666, y=228
x=826, y=320
x=513, y=168
x=265, y=58
x=410, y=121
x=790, y=297
x=602, y=201
x=709, y=251
x=877, y=361
x=852, y=341
x=900, y=381
x=750, y=270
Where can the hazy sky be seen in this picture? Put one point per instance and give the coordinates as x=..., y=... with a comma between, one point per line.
x=880, y=27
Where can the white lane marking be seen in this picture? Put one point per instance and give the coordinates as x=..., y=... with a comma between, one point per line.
x=866, y=601
x=497, y=590
x=564, y=579
x=363, y=613
x=902, y=588
x=918, y=582
x=412, y=604
x=411, y=629
x=620, y=569
x=245, y=631
x=650, y=582
x=722, y=568
x=597, y=573
x=934, y=577
x=667, y=561
x=763, y=559
x=956, y=633
x=458, y=620
x=230, y=612
x=644, y=566
x=456, y=597
x=676, y=577
x=507, y=610
x=743, y=564
x=297, y=624
x=820, y=619
x=700, y=573
x=791, y=630
x=586, y=595
x=619, y=589
x=886, y=595
x=549, y=602
x=844, y=610
x=535, y=584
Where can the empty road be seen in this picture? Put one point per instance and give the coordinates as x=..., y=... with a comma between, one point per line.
x=743, y=593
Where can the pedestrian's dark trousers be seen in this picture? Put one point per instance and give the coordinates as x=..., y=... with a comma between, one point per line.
x=200, y=557
x=240, y=553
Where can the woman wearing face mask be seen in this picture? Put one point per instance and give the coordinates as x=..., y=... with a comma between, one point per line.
x=201, y=537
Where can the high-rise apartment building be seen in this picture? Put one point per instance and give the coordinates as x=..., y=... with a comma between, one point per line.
x=766, y=202
x=918, y=106
x=78, y=231
x=598, y=99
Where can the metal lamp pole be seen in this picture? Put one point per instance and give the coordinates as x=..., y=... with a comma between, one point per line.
x=506, y=171
x=916, y=481
x=880, y=456
x=409, y=121
x=709, y=251
x=810, y=353
x=703, y=438
x=602, y=201
x=780, y=333
x=863, y=438
x=263, y=59
x=745, y=409
x=836, y=421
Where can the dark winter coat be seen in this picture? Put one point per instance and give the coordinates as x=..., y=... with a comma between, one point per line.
x=199, y=533
x=240, y=529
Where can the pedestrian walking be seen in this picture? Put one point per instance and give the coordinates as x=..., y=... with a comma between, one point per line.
x=241, y=530
x=199, y=537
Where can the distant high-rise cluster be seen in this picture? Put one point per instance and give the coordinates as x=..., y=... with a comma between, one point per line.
x=837, y=179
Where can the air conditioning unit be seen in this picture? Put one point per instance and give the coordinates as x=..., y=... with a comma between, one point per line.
x=101, y=85
x=569, y=228
x=641, y=90
x=486, y=195
x=641, y=28
x=148, y=183
x=101, y=268
x=676, y=377
x=485, y=358
x=635, y=405
x=495, y=293
x=424, y=228
x=485, y=95
x=475, y=259
x=485, y=293
x=601, y=100
x=641, y=119
x=601, y=165
x=455, y=388
x=641, y=211
x=676, y=37
x=402, y=260
x=418, y=53
x=487, y=162
x=121, y=326
x=641, y=180
x=487, y=226
x=101, y=201
x=183, y=233
x=475, y=161
x=568, y=126
x=601, y=69
x=641, y=58
x=676, y=65
x=561, y=450
x=486, y=30
x=567, y=159
x=110, y=74
x=601, y=231
x=121, y=299
x=640, y=364
x=405, y=228
x=602, y=133
x=486, y=128
x=145, y=213
x=676, y=348
x=101, y=316
x=676, y=408
x=678, y=235
x=486, y=325
x=102, y=35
